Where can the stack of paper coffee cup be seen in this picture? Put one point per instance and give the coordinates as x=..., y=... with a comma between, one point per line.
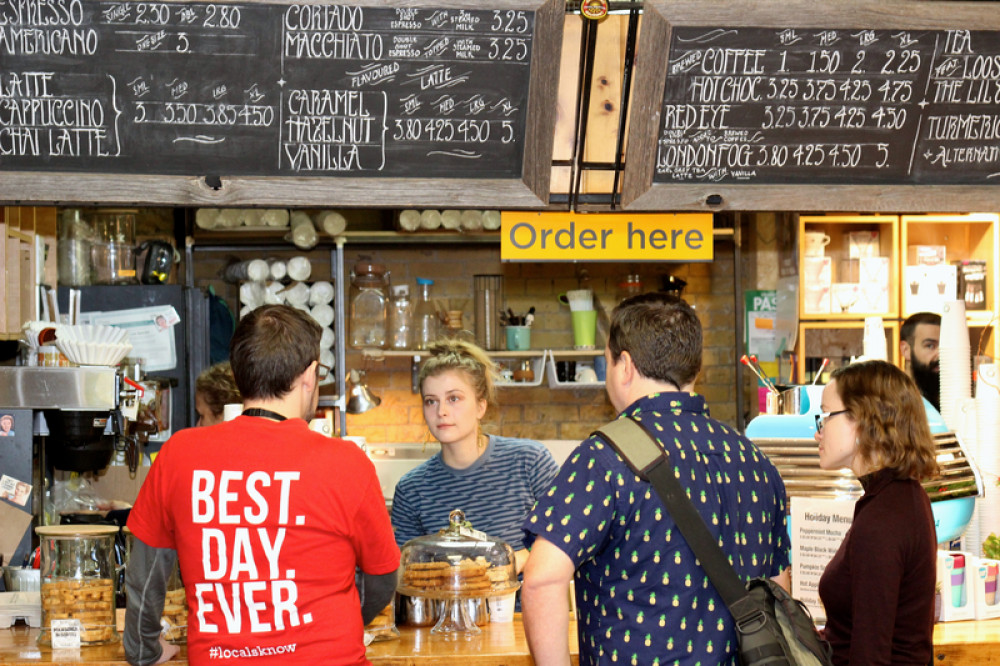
x=956, y=363
x=874, y=340
x=987, y=456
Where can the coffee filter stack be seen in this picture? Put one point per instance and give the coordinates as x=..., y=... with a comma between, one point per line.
x=956, y=363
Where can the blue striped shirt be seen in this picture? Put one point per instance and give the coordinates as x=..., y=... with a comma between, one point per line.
x=496, y=492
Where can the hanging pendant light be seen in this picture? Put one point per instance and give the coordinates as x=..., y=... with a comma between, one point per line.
x=359, y=398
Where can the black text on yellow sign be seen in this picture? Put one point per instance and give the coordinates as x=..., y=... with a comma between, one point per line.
x=529, y=236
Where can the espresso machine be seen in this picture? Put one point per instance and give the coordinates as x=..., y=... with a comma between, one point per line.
x=64, y=418
x=787, y=438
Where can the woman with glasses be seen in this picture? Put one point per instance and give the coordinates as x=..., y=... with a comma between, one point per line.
x=878, y=590
x=495, y=480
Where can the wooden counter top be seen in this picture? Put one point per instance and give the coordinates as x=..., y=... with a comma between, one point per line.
x=498, y=643
x=955, y=643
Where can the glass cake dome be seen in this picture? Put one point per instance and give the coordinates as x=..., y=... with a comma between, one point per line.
x=457, y=563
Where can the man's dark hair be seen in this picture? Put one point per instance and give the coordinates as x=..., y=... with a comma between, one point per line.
x=272, y=345
x=662, y=333
x=909, y=327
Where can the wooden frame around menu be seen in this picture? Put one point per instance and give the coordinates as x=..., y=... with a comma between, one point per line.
x=639, y=192
x=531, y=190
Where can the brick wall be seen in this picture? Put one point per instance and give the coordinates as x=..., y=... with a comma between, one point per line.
x=541, y=412
x=536, y=412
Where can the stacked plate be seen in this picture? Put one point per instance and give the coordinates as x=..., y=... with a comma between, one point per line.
x=93, y=344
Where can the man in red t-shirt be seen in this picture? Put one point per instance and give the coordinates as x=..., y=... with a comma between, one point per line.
x=268, y=519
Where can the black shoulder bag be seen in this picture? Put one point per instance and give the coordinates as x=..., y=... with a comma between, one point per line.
x=773, y=629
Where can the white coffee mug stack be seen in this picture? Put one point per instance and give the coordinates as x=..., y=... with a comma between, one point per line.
x=815, y=243
x=956, y=362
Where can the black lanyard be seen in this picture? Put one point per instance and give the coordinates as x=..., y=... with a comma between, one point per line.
x=266, y=413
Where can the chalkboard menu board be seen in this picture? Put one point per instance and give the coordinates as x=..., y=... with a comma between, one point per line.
x=842, y=102
x=370, y=93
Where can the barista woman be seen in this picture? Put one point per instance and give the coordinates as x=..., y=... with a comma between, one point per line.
x=878, y=590
x=213, y=390
x=494, y=480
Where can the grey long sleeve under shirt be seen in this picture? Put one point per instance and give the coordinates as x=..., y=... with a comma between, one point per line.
x=146, y=578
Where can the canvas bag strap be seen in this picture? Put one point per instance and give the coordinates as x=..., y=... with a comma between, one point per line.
x=645, y=457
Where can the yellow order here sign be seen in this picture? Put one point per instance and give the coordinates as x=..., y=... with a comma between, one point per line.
x=532, y=236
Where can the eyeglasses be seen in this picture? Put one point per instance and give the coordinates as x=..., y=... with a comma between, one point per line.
x=821, y=419
x=323, y=371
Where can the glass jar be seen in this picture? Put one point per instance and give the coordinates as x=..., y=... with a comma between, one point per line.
x=401, y=318
x=113, y=253
x=175, y=610
x=369, y=301
x=427, y=321
x=77, y=576
x=383, y=627
x=74, y=248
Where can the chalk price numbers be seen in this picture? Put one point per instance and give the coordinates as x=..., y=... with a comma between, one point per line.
x=744, y=104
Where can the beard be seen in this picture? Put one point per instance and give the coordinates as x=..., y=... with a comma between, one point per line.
x=928, y=380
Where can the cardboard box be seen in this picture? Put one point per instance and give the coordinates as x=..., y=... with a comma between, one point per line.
x=817, y=271
x=874, y=270
x=862, y=244
x=926, y=255
x=874, y=281
x=874, y=298
x=116, y=483
x=955, y=594
x=844, y=296
x=972, y=282
x=816, y=299
x=984, y=578
x=928, y=288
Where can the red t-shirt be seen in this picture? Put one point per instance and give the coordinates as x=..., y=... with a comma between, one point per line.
x=269, y=521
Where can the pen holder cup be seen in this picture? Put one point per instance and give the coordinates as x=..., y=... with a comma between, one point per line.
x=518, y=338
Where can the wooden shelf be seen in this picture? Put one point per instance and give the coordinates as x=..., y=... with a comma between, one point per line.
x=972, y=236
x=25, y=235
x=848, y=333
x=420, y=353
x=843, y=269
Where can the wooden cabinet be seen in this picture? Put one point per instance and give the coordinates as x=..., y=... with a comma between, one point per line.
x=971, y=239
x=838, y=340
x=28, y=257
x=856, y=266
x=843, y=279
x=848, y=270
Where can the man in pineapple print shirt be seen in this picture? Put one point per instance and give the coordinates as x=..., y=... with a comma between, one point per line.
x=641, y=597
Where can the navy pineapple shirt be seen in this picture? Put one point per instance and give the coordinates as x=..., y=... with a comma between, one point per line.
x=641, y=597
